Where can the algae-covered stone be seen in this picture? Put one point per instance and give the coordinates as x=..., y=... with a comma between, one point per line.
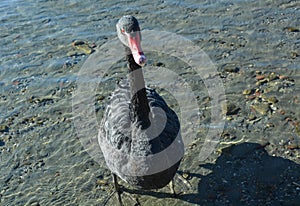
x=297, y=128
x=231, y=109
x=272, y=100
x=294, y=55
x=82, y=46
x=231, y=68
x=292, y=29
x=247, y=91
x=272, y=76
x=262, y=108
x=4, y=128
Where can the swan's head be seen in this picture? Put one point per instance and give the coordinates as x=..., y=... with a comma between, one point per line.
x=129, y=34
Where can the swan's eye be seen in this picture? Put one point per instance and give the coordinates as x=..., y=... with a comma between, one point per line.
x=123, y=30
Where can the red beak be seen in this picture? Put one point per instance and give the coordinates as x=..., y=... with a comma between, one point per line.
x=134, y=42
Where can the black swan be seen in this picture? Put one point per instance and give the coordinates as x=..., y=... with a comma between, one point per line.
x=139, y=134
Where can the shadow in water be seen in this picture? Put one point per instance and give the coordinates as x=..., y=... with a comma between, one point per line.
x=244, y=174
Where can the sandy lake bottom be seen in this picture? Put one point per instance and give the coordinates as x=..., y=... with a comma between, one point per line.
x=254, y=47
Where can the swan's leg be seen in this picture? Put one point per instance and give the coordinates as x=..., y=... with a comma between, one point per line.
x=172, y=187
x=185, y=181
x=118, y=189
x=182, y=179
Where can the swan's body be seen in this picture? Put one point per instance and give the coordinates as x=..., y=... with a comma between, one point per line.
x=118, y=132
x=138, y=123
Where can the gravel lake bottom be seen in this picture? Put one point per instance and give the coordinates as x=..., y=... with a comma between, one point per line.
x=253, y=158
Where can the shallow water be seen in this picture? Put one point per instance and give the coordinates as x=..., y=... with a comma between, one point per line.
x=42, y=159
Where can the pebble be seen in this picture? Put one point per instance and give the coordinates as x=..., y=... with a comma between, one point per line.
x=297, y=128
x=100, y=97
x=44, y=99
x=35, y=203
x=282, y=112
x=251, y=117
x=158, y=64
x=231, y=68
x=292, y=29
x=4, y=128
x=46, y=21
x=247, y=91
x=231, y=109
x=260, y=77
x=261, y=82
x=268, y=125
x=82, y=46
x=272, y=76
x=2, y=143
x=273, y=107
x=294, y=55
x=272, y=100
x=215, y=31
x=102, y=182
x=186, y=175
x=262, y=108
x=293, y=146
x=251, y=97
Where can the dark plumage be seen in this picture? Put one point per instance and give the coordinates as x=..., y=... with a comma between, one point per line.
x=139, y=124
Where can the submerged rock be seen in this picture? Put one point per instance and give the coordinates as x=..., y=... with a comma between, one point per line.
x=262, y=108
x=2, y=143
x=83, y=46
x=4, y=128
x=231, y=109
x=292, y=29
x=247, y=91
x=230, y=68
x=294, y=55
x=158, y=64
x=272, y=100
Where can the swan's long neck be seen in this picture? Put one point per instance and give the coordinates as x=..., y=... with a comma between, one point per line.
x=139, y=103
